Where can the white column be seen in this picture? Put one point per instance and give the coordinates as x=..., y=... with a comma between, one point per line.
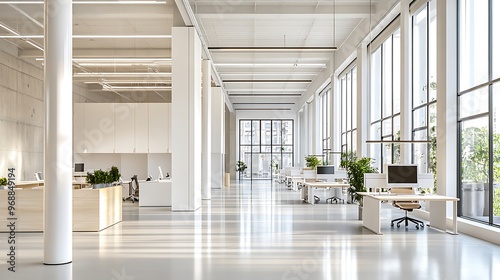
x=58, y=197
x=217, y=138
x=362, y=107
x=446, y=126
x=186, y=119
x=335, y=121
x=405, y=93
x=206, y=179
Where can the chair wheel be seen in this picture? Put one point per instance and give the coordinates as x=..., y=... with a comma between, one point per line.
x=417, y=227
x=399, y=226
x=392, y=224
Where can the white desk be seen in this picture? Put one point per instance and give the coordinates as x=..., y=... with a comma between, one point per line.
x=155, y=193
x=314, y=185
x=437, y=211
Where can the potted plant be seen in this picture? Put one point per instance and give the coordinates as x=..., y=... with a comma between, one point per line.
x=312, y=161
x=356, y=169
x=102, y=179
x=240, y=167
x=3, y=182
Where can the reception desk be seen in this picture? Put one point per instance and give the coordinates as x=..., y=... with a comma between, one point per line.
x=93, y=209
x=155, y=193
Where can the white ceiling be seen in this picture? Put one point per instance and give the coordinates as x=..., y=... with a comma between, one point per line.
x=109, y=34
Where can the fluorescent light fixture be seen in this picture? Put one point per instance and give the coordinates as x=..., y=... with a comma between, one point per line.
x=128, y=82
x=84, y=36
x=34, y=45
x=272, y=49
x=89, y=2
x=265, y=74
x=266, y=90
x=134, y=88
x=266, y=81
x=265, y=95
x=321, y=65
x=122, y=59
x=20, y=36
x=122, y=36
x=124, y=74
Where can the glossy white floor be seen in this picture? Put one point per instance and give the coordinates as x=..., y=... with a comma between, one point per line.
x=258, y=232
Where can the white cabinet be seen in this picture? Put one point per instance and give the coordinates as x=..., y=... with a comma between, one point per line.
x=79, y=142
x=159, y=125
x=124, y=114
x=99, y=127
x=122, y=127
x=141, y=128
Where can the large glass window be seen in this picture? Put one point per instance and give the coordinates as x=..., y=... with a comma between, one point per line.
x=348, y=102
x=265, y=144
x=478, y=106
x=424, y=87
x=385, y=100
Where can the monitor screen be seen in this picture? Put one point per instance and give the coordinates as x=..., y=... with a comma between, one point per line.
x=79, y=167
x=160, y=176
x=402, y=174
x=325, y=169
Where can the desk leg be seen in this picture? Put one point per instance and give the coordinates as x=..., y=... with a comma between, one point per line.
x=437, y=215
x=310, y=195
x=455, y=228
x=371, y=214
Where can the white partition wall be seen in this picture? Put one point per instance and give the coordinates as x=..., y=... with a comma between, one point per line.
x=186, y=119
x=217, y=138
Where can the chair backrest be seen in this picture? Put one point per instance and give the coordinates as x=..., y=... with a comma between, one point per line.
x=402, y=191
x=134, y=182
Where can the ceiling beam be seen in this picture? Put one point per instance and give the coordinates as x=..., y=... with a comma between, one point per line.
x=256, y=10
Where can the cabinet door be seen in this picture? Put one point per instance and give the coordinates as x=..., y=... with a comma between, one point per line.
x=99, y=127
x=158, y=127
x=141, y=128
x=80, y=144
x=124, y=114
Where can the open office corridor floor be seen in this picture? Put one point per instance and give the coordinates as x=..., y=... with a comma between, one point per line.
x=258, y=231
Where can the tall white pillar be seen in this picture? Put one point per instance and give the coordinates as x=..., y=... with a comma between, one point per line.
x=218, y=138
x=206, y=177
x=446, y=127
x=362, y=107
x=186, y=119
x=405, y=84
x=58, y=88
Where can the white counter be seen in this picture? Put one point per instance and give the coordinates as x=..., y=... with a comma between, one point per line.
x=155, y=193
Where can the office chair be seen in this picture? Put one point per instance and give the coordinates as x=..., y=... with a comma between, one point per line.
x=135, y=189
x=407, y=206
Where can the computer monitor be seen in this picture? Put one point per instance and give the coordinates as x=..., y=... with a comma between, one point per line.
x=325, y=169
x=401, y=175
x=161, y=173
x=79, y=167
x=38, y=176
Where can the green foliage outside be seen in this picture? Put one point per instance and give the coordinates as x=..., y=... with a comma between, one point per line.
x=356, y=169
x=312, y=161
x=475, y=159
x=3, y=181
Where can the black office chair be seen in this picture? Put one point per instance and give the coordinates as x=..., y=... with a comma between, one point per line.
x=135, y=190
x=407, y=206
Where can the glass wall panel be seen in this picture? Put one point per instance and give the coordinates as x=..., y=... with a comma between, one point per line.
x=265, y=144
x=475, y=166
x=496, y=153
x=474, y=102
x=376, y=81
x=473, y=50
x=387, y=78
